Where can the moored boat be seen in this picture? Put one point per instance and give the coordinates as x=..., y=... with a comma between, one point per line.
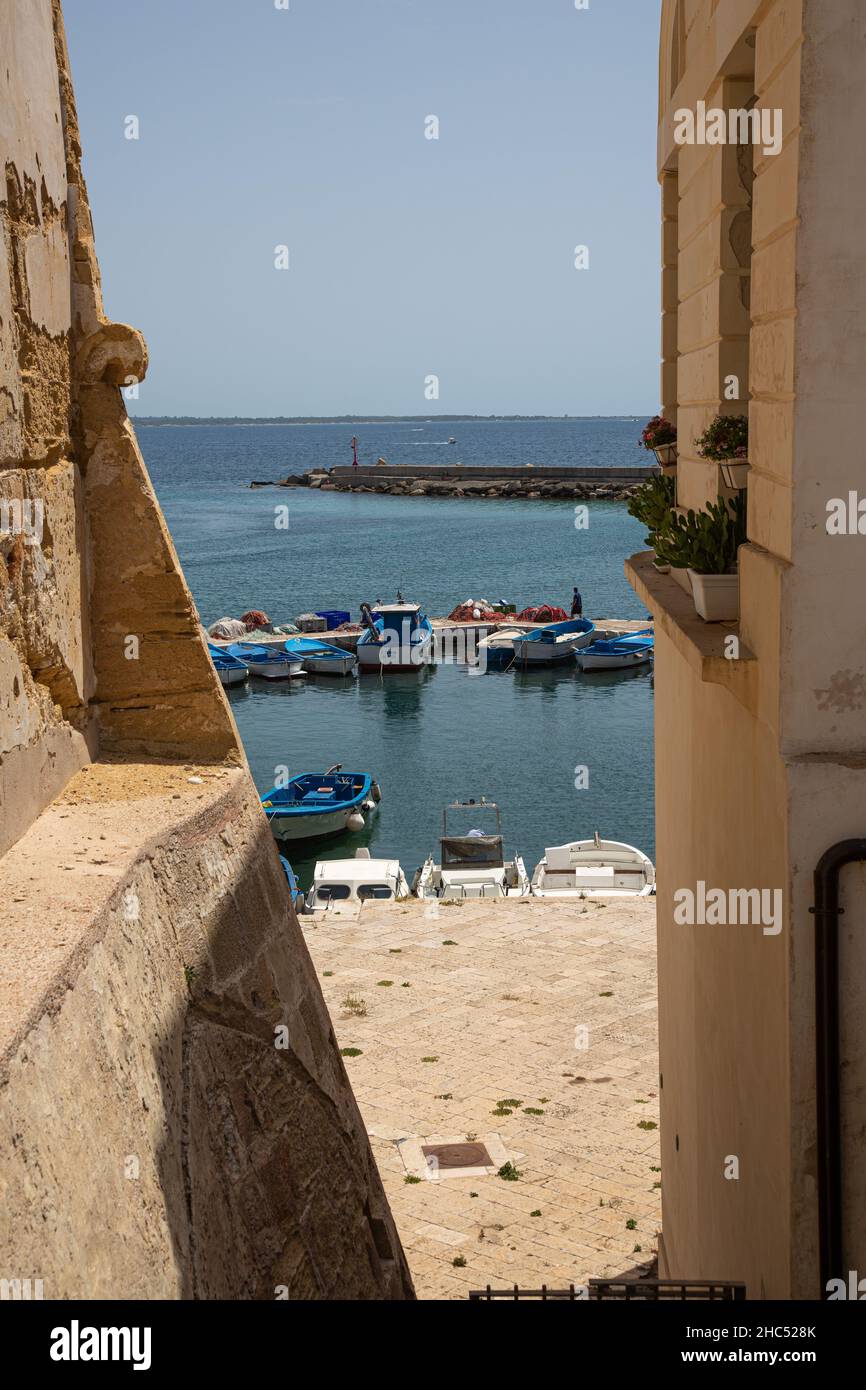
x=292, y=883
x=273, y=663
x=618, y=653
x=230, y=669
x=321, y=658
x=547, y=646
x=315, y=804
x=344, y=885
x=471, y=865
x=496, y=651
x=396, y=637
x=593, y=868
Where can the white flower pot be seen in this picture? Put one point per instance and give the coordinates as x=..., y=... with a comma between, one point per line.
x=682, y=578
x=661, y=569
x=735, y=473
x=666, y=455
x=717, y=596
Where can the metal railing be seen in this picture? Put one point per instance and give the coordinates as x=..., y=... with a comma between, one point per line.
x=622, y=1290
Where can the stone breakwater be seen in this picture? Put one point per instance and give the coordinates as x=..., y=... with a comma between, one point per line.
x=529, y=487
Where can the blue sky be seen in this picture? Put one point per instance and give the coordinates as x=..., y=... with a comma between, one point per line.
x=409, y=257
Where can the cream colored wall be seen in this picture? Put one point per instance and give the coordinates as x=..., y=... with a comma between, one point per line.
x=752, y=797
x=723, y=1036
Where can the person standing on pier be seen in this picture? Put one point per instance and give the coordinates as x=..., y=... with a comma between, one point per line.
x=577, y=604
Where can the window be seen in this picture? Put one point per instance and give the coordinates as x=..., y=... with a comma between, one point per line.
x=374, y=890
x=333, y=892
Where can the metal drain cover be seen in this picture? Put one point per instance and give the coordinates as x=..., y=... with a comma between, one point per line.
x=458, y=1155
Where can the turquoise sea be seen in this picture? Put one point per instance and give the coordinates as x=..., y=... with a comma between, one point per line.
x=442, y=734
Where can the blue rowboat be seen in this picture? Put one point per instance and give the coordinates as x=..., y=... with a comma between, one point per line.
x=552, y=644
x=230, y=670
x=321, y=658
x=619, y=653
x=315, y=804
x=396, y=637
x=272, y=662
x=294, y=890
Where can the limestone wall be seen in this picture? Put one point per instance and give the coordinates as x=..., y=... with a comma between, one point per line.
x=175, y=1119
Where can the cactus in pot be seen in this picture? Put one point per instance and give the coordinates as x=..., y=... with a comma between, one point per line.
x=706, y=544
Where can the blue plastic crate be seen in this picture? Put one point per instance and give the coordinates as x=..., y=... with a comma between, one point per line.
x=334, y=617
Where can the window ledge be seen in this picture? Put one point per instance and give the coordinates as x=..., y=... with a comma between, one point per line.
x=701, y=644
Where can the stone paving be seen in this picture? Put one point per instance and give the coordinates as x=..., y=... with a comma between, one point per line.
x=455, y=1010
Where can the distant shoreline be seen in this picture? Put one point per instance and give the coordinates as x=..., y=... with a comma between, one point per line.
x=152, y=421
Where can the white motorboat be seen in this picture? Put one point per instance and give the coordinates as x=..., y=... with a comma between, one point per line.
x=396, y=637
x=343, y=886
x=594, y=868
x=471, y=865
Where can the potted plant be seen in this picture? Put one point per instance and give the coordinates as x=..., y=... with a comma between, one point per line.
x=652, y=504
x=660, y=436
x=726, y=442
x=706, y=545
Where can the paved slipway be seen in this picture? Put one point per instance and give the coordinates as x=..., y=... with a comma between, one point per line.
x=456, y=1009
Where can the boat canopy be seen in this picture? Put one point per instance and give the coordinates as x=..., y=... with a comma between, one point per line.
x=472, y=851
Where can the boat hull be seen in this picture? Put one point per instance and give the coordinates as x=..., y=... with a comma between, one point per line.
x=594, y=869
x=615, y=661
x=275, y=670
x=232, y=675
x=330, y=665
x=404, y=656
x=287, y=829
x=543, y=653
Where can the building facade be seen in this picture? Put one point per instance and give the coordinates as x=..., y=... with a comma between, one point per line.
x=761, y=723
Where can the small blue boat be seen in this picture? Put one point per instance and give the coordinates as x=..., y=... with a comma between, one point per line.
x=321, y=658
x=272, y=662
x=230, y=670
x=396, y=637
x=315, y=804
x=552, y=644
x=294, y=890
x=619, y=653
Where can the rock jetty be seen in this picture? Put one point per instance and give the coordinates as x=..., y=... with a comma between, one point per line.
x=528, y=487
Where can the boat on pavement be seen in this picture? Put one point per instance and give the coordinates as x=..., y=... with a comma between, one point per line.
x=471, y=865
x=315, y=804
x=594, y=868
x=321, y=658
x=230, y=669
x=547, y=646
x=396, y=637
x=618, y=653
x=272, y=663
x=343, y=886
